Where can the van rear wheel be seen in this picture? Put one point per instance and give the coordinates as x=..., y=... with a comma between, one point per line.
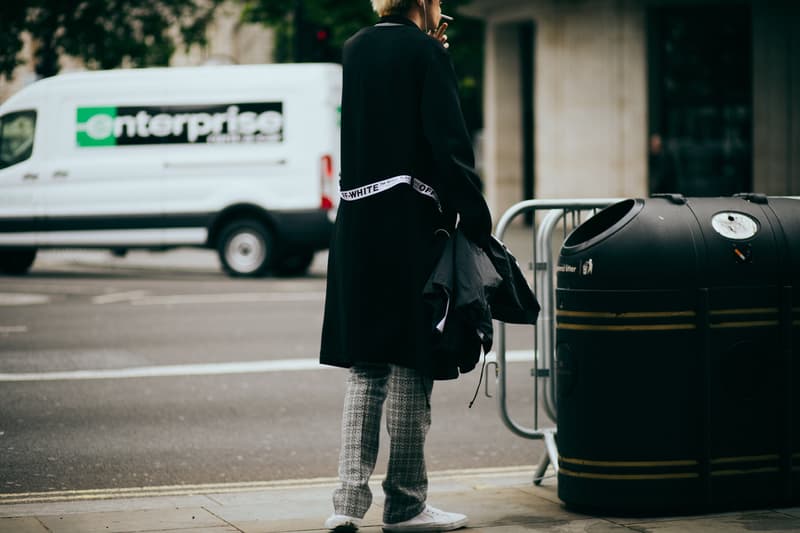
x=17, y=262
x=245, y=248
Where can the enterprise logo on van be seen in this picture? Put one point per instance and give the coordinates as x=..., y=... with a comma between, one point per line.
x=260, y=122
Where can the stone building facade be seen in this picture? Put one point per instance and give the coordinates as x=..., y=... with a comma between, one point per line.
x=610, y=98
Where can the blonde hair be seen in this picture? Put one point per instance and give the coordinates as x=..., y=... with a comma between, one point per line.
x=389, y=7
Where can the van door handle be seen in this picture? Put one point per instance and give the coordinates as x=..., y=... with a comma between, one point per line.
x=30, y=176
x=60, y=174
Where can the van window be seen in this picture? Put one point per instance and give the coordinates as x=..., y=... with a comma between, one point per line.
x=16, y=137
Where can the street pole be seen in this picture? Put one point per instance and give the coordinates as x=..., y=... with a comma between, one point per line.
x=298, y=52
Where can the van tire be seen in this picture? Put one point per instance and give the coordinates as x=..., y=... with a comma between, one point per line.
x=245, y=248
x=294, y=265
x=16, y=262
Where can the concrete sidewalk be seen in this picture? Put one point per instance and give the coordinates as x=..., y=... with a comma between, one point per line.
x=496, y=500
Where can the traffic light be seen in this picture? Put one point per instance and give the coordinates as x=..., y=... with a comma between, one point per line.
x=312, y=40
x=313, y=43
x=322, y=50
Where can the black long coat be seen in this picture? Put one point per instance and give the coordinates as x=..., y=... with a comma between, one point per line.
x=400, y=116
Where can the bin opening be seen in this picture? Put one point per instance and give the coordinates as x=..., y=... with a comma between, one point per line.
x=602, y=225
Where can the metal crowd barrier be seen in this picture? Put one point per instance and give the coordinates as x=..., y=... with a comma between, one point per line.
x=549, y=233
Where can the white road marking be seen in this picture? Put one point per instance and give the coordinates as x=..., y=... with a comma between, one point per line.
x=211, y=369
x=19, y=298
x=117, y=297
x=247, y=486
x=6, y=330
x=239, y=297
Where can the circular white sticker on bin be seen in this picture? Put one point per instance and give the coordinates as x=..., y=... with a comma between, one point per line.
x=734, y=226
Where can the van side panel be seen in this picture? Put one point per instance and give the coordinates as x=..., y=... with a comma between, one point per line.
x=91, y=183
x=281, y=173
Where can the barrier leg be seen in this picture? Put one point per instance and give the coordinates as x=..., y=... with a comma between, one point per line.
x=550, y=456
x=541, y=468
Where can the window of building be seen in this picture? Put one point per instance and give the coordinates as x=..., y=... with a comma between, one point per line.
x=700, y=99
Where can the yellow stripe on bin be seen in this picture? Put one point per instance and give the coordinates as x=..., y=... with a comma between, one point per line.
x=751, y=311
x=745, y=471
x=749, y=324
x=668, y=327
x=627, y=477
x=638, y=314
x=632, y=327
x=745, y=459
x=628, y=464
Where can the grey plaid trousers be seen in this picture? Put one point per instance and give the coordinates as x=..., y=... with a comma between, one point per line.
x=408, y=417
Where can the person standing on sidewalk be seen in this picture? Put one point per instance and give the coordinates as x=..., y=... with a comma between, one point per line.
x=407, y=175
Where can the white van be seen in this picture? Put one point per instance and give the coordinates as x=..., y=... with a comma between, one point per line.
x=241, y=159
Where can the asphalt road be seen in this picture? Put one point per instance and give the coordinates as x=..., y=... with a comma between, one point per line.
x=170, y=373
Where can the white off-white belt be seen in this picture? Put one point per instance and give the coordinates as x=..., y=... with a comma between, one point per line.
x=384, y=185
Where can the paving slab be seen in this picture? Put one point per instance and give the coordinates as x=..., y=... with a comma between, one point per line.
x=321, y=496
x=772, y=521
x=264, y=523
x=794, y=511
x=501, y=507
x=101, y=505
x=26, y=524
x=130, y=521
x=580, y=526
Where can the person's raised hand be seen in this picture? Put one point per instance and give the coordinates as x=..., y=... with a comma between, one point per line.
x=440, y=35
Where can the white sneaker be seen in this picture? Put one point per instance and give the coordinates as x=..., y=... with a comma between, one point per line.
x=431, y=519
x=342, y=523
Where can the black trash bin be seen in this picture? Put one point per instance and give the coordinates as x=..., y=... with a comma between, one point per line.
x=678, y=333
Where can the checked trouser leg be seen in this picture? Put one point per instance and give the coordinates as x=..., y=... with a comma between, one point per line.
x=408, y=417
x=407, y=420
